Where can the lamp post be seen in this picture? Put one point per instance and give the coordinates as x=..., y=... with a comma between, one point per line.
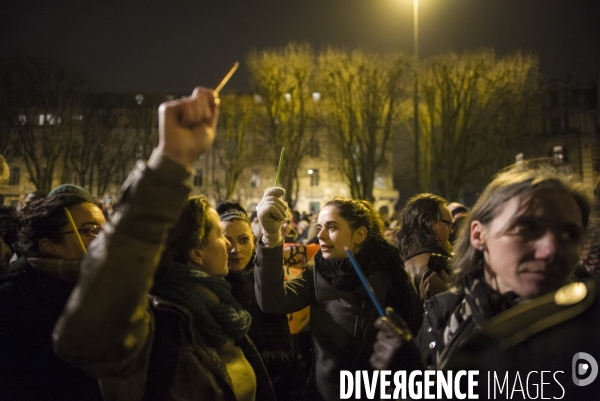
x=310, y=173
x=416, y=95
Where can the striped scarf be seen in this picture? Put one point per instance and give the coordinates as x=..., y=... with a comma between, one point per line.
x=480, y=303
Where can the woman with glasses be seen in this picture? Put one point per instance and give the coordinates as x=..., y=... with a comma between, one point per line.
x=425, y=227
x=33, y=294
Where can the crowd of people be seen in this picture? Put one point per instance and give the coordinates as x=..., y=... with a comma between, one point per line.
x=172, y=299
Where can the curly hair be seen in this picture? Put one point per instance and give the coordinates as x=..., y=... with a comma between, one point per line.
x=417, y=222
x=359, y=213
x=189, y=232
x=514, y=181
x=44, y=219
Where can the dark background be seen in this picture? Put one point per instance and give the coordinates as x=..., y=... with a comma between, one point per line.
x=174, y=45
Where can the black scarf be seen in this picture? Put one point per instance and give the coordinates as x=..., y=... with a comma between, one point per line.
x=216, y=321
x=375, y=254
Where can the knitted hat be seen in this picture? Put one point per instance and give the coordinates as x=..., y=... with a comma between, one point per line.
x=73, y=190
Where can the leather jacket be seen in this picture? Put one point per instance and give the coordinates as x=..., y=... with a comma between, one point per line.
x=430, y=338
x=429, y=274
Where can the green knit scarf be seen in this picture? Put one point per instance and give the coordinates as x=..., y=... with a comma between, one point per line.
x=215, y=321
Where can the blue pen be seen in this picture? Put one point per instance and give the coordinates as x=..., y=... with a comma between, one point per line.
x=365, y=282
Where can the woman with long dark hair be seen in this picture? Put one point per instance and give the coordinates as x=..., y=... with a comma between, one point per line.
x=342, y=315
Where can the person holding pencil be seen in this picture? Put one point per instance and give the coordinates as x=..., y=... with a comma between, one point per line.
x=33, y=294
x=342, y=314
x=152, y=316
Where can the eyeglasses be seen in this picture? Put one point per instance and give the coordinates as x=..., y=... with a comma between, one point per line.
x=450, y=224
x=91, y=231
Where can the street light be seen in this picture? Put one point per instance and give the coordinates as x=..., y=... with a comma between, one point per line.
x=416, y=95
x=310, y=173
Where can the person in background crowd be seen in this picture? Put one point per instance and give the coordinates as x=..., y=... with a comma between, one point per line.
x=522, y=240
x=459, y=211
x=290, y=235
x=9, y=218
x=33, y=294
x=270, y=333
x=384, y=214
x=425, y=227
x=342, y=315
x=31, y=198
x=72, y=189
x=187, y=340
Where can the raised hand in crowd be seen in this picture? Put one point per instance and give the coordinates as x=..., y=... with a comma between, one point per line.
x=187, y=126
x=272, y=211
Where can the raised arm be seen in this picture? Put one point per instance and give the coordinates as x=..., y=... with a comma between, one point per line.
x=105, y=327
x=275, y=295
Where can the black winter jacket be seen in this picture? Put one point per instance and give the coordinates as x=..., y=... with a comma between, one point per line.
x=341, y=322
x=30, y=304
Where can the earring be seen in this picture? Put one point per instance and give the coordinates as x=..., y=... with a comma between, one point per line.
x=481, y=248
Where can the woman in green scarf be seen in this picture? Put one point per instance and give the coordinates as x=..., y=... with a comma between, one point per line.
x=190, y=278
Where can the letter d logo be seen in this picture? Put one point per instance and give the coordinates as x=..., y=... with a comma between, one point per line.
x=584, y=368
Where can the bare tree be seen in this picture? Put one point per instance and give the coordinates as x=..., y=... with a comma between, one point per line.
x=361, y=96
x=475, y=107
x=102, y=147
x=43, y=99
x=284, y=80
x=234, y=144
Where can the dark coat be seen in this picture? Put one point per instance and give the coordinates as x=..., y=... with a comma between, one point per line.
x=547, y=334
x=179, y=355
x=341, y=321
x=30, y=304
x=270, y=333
x=438, y=310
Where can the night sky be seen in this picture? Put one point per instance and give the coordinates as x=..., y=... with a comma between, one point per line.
x=174, y=45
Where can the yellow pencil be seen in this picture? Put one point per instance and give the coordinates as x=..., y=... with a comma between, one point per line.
x=225, y=78
x=74, y=227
